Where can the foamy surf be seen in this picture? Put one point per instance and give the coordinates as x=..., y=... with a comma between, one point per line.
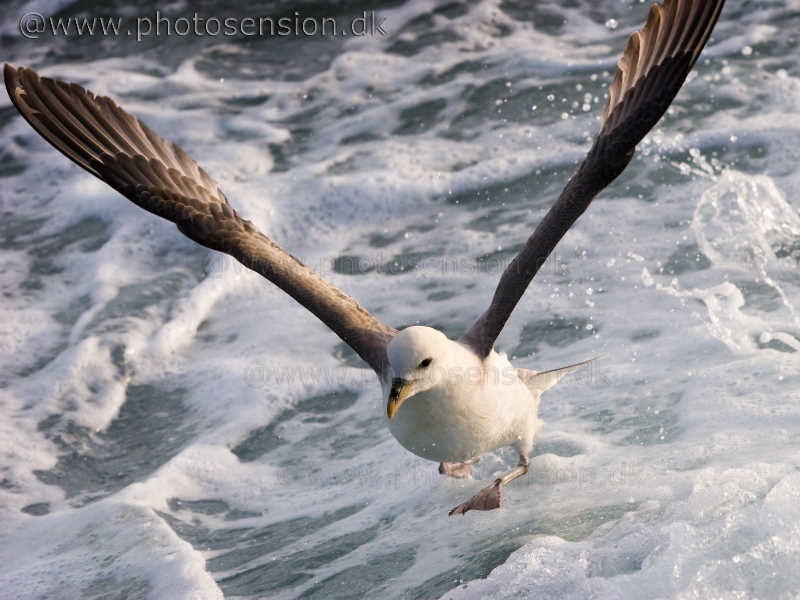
x=175, y=427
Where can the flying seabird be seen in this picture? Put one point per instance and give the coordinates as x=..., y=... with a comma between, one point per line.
x=446, y=400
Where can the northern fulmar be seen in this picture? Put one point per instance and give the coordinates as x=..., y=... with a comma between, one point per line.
x=446, y=400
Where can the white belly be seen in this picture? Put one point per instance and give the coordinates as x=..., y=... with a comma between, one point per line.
x=456, y=422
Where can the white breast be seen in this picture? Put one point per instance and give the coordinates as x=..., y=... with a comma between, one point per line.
x=465, y=417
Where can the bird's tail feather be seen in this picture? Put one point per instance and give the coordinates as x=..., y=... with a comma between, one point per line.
x=538, y=382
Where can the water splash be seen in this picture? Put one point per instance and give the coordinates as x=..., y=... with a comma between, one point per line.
x=744, y=224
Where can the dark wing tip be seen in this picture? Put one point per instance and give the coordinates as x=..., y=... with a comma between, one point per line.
x=18, y=79
x=657, y=60
x=11, y=78
x=93, y=130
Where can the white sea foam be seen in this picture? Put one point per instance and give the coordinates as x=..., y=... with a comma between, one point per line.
x=174, y=426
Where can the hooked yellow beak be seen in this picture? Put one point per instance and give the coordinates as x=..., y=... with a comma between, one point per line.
x=401, y=389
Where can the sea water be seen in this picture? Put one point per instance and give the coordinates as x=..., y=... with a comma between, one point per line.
x=174, y=426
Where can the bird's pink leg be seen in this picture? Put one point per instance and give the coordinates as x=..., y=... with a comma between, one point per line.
x=459, y=470
x=490, y=497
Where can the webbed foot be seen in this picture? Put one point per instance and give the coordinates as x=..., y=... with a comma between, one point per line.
x=488, y=498
x=459, y=470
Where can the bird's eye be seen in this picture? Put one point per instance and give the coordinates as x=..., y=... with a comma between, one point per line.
x=425, y=363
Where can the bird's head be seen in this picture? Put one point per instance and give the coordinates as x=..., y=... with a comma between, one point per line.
x=418, y=357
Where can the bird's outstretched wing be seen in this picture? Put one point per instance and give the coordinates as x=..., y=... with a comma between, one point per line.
x=161, y=178
x=655, y=64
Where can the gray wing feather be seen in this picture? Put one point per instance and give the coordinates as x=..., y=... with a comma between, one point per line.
x=161, y=178
x=652, y=69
